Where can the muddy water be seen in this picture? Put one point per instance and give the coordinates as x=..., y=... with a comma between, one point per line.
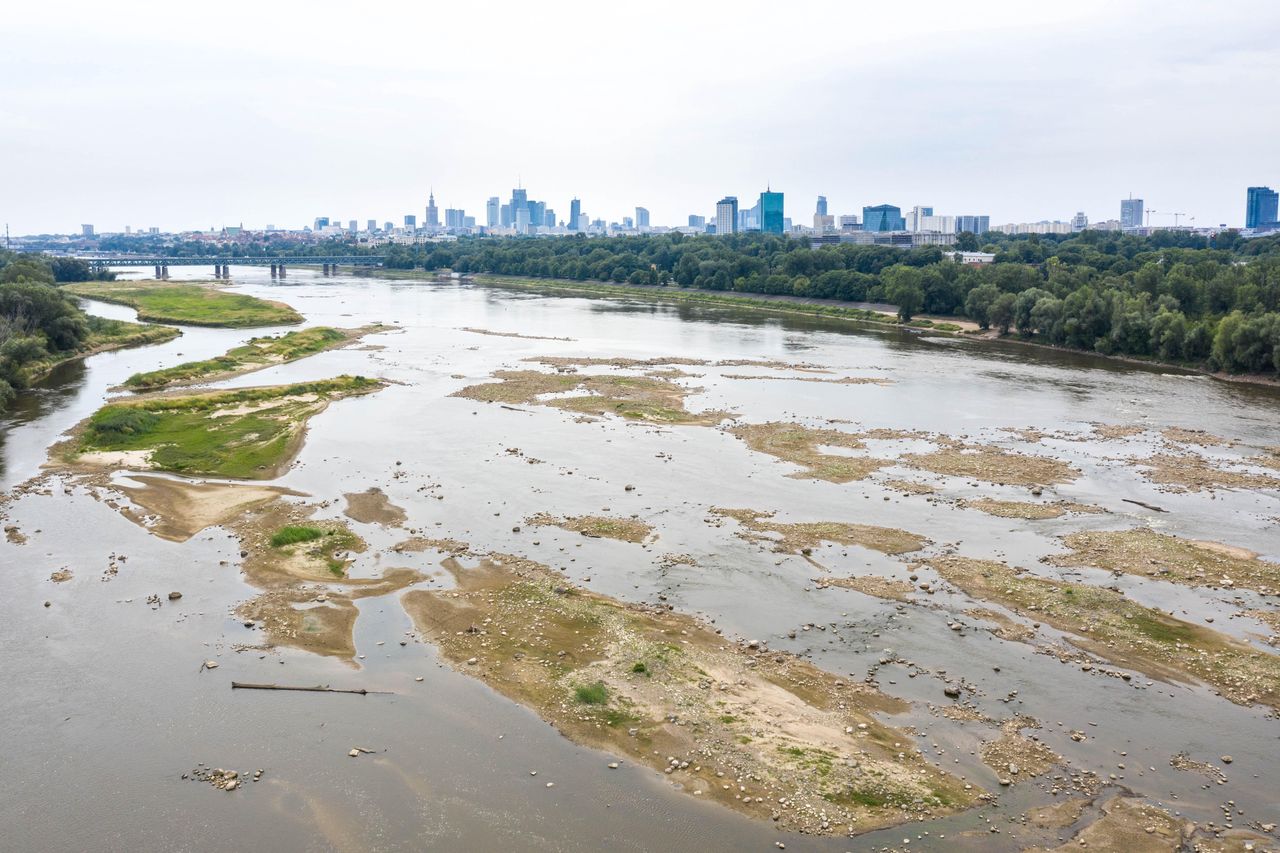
x=106, y=706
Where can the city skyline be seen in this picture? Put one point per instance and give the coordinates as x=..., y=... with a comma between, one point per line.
x=857, y=110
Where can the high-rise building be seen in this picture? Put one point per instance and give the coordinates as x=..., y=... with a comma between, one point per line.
x=323, y=222
x=433, y=215
x=628, y=223
x=410, y=222
x=86, y=230
x=849, y=222
x=883, y=217
x=504, y=216
x=934, y=224
x=821, y=209
x=917, y=213
x=491, y=210
x=1079, y=222
x=371, y=225
x=521, y=223
x=727, y=215
x=696, y=221
x=642, y=218
x=537, y=213
x=1261, y=207
x=549, y=218
x=975, y=224
x=1130, y=212
x=352, y=226
x=519, y=202
x=454, y=218
x=575, y=213
x=771, y=212
x=468, y=222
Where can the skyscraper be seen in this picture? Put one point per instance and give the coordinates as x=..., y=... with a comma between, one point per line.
x=433, y=215
x=1261, y=207
x=575, y=213
x=771, y=212
x=727, y=215
x=976, y=224
x=642, y=218
x=821, y=209
x=1130, y=212
x=491, y=211
x=917, y=213
x=519, y=202
x=86, y=230
x=1079, y=222
x=883, y=217
x=371, y=225
x=696, y=221
x=410, y=221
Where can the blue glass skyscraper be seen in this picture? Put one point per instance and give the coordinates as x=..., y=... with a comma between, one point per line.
x=883, y=217
x=1261, y=207
x=771, y=212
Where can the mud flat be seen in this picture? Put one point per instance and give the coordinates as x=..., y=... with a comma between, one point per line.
x=993, y=465
x=573, y=362
x=1027, y=509
x=251, y=433
x=873, y=585
x=179, y=509
x=801, y=445
x=761, y=732
x=638, y=398
x=597, y=526
x=372, y=506
x=300, y=564
x=494, y=334
x=803, y=537
x=1131, y=825
x=843, y=380
x=201, y=304
x=1016, y=757
x=1191, y=472
x=1105, y=623
x=1141, y=551
x=255, y=354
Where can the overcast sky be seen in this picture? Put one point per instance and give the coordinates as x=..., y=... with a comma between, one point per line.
x=186, y=116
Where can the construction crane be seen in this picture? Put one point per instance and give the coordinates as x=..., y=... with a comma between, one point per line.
x=1166, y=213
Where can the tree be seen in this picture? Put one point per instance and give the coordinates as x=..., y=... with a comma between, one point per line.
x=903, y=287
x=977, y=305
x=967, y=241
x=1001, y=312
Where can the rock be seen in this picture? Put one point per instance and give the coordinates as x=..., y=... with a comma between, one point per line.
x=613, y=765
x=232, y=785
x=48, y=604
x=951, y=691
x=211, y=664
x=355, y=753
x=473, y=661
x=1227, y=759
x=174, y=596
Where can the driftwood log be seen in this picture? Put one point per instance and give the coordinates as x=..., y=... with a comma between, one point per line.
x=319, y=688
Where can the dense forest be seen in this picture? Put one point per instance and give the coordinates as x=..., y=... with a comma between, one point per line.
x=38, y=322
x=1175, y=297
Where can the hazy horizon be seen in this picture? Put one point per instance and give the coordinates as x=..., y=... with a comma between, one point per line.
x=276, y=114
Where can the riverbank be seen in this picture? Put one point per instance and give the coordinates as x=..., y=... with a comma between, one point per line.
x=881, y=314
x=105, y=336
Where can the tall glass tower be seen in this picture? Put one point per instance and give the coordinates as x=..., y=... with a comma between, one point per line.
x=771, y=212
x=1261, y=207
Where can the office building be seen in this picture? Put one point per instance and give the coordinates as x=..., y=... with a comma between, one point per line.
x=1079, y=222
x=934, y=224
x=504, y=216
x=321, y=222
x=1131, y=212
x=849, y=222
x=410, y=222
x=491, y=208
x=469, y=222
x=86, y=230
x=976, y=224
x=821, y=209
x=1261, y=207
x=696, y=221
x=575, y=214
x=433, y=215
x=918, y=213
x=549, y=218
x=727, y=215
x=371, y=225
x=642, y=218
x=771, y=216
x=883, y=217
x=519, y=201
x=521, y=223
x=454, y=218
x=352, y=226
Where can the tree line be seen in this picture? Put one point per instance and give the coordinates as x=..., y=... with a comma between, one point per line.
x=38, y=322
x=1175, y=297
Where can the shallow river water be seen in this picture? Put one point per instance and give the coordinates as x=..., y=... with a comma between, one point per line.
x=105, y=706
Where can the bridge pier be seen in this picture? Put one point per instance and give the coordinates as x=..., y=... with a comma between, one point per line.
x=164, y=271
x=282, y=270
x=157, y=270
x=273, y=270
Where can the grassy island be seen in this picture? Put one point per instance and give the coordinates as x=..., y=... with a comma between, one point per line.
x=195, y=304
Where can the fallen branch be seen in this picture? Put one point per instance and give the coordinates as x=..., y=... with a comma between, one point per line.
x=514, y=409
x=1144, y=505
x=242, y=685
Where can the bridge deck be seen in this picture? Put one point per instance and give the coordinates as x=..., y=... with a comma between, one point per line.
x=160, y=261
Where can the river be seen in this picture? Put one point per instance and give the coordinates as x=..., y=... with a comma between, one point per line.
x=106, y=707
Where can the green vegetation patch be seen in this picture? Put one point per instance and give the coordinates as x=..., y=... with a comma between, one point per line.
x=244, y=434
x=189, y=304
x=255, y=354
x=592, y=694
x=293, y=534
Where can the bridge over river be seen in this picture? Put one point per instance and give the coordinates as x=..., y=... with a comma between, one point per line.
x=221, y=265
